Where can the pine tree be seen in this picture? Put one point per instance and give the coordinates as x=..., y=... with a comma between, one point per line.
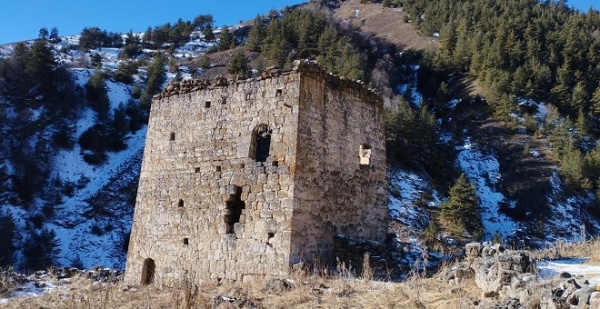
x=97, y=95
x=54, y=35
x=238, y=65
x=42, y=67
x=581, y=123
x=40, y=250
x=204, y=62
x=461, y=211
x=256, y=35
x=226, y=40
x=580, y=96
x=147, y=37
x=208, y=32
x=156, y=77
x=43, y=33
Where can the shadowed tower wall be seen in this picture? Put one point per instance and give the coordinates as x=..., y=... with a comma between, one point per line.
x=340, y=182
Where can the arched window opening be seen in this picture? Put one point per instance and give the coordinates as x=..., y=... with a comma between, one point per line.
x=180, y=204
x=234, y=209
x=148, y=272
x=261, y=143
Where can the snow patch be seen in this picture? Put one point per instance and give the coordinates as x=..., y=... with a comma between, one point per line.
x=574, y=266
x=483, y=170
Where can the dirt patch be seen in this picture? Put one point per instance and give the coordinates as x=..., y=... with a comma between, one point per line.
x=384, y=23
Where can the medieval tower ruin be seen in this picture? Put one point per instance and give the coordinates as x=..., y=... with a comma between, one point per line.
x=240, y=180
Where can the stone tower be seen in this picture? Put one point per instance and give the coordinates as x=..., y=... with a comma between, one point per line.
x=241, y=180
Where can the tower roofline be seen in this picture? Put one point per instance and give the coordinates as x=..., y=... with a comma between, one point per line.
x=302, y=67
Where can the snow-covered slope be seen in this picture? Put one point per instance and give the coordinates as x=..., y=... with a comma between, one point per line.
x=92, y=217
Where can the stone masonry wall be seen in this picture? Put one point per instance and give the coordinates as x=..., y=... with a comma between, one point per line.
x=197, y=158
x=341, y=127
x=320, y=173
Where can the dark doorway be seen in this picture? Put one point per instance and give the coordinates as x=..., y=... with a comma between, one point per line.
x=148, y=272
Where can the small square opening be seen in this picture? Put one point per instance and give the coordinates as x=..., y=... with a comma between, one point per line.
x=207, y=104
x=180, y=204
x=278, y=92
x=218, y=168
x=242, y=165
x=186, y=241
x=275, y=163
x=364, y=154
x=197, y=170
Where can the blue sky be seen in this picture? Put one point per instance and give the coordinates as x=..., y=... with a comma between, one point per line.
x=584, y=5
x=22, y=19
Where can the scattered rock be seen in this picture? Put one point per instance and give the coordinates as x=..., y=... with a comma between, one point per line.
x=278, y=285
x=511, y=276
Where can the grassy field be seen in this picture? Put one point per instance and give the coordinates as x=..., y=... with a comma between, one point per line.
x=299, y=291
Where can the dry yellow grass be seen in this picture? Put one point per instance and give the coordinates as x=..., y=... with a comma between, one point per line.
x=589, y=249
x=307, y=292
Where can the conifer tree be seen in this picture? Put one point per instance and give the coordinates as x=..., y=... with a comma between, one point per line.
x=256, y=35
x=43, y=34
x=147, y=37
x=54, y=35
x=156, y=77
x=461, y=211
x=238, y=65
x=208, y=32
x=226, y=40
x=204, y=62
x=97, y=95
x=40, y=250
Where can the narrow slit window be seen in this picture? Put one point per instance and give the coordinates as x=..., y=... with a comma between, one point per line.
x=247, y=96
x=364, y=154
x=235, y=205
x=180, y=203
x=172, y=136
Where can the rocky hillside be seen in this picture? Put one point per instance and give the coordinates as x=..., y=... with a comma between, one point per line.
x=70, y=160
